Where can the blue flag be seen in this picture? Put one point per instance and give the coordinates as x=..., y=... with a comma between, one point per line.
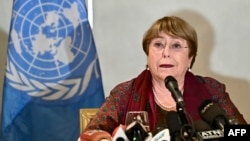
x=52, y=71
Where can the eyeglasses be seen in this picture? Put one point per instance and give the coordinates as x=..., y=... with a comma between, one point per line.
x=176, y=47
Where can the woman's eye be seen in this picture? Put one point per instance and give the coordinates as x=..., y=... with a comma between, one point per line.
x=176, y=46
x=158, y=45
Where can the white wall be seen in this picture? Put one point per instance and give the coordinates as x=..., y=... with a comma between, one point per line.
x=223, y=29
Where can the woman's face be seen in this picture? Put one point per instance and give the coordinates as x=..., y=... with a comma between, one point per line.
x=168, y=55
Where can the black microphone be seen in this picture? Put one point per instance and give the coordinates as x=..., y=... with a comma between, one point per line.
x=210, y=135
x=136, y=131
x=213, y=113
x=205, y=132
x=201, y=125
x=172, y=85
x=174, y=126
x=119, y=133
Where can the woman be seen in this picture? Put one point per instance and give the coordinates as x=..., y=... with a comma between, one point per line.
x=171, y=47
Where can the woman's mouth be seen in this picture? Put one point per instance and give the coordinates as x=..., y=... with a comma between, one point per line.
x=166, y=66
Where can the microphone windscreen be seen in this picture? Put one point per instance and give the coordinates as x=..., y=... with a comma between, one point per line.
x=170, y=82
x=201, y=125
x=211, y=111
x=119, y=133
x=173, y=122
x=163, y=135
x=120, y=127
x=136, y=130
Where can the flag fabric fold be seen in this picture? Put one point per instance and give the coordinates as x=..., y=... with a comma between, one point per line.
x=52, y=70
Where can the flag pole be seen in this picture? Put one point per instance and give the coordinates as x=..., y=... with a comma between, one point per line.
x=90, y=12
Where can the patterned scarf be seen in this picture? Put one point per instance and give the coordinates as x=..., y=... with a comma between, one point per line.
x=142, y=96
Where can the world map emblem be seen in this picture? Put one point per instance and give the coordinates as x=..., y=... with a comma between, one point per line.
x=51, y=50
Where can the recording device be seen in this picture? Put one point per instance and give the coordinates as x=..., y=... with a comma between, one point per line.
x=179, y=131
x=163, y=135
x=204, y=131
x=174, y=125
x=213, y=114
x=119, y=134
x=201, y=125
x=216, y=117
x=210, y=134
x=136, y=131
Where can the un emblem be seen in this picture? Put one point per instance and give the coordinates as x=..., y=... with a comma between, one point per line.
x=51, y=51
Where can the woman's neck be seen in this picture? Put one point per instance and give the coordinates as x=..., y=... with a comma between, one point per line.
x=163, y=96
x=159, y=85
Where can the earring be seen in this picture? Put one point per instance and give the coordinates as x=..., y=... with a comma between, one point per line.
x=189, y=69
x=147, y=68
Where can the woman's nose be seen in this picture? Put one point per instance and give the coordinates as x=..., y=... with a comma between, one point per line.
x=166, y=51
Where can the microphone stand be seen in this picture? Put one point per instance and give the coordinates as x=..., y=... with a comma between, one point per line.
x=187, y=130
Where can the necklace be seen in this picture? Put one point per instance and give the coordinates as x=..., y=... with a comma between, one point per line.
x=160, y=104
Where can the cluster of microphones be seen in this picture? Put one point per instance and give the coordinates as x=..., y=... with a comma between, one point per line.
x=180, y=126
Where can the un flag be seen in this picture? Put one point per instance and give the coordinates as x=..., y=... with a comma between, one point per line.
x=52, y=71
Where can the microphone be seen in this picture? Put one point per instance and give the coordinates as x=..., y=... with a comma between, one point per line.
x=172, y=85
x=136, y=131
x=163, y=135
x=213, y=114
x=119, y=134
x=201, y=125
x=174, y=125
x=205, y=132
x=210, y=134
